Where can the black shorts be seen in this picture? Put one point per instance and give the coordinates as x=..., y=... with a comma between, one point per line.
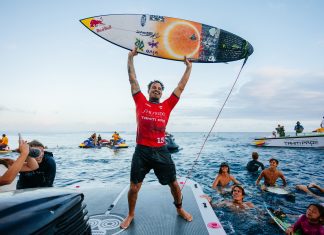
x=157, y=158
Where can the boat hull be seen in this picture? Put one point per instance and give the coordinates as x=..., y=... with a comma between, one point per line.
x=304, y=141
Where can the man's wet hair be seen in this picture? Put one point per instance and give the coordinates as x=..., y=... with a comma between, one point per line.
x=36, y=143
x=155, y=81
x=273, y=159
x=255, y=155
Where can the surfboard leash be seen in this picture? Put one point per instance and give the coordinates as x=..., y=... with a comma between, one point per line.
x=216, y=119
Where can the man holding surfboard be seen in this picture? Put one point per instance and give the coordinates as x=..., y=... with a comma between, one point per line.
x=151, y=151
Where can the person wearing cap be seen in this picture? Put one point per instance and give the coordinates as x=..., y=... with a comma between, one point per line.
x=10, y=168
x=42, y=177
x=237, y=202
x=298, y=128
x=254, y=165
x=271, y=175
x=151, y=152
x=224, y=177
x=4, y=142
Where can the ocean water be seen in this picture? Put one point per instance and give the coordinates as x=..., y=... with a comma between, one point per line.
x=107, y=166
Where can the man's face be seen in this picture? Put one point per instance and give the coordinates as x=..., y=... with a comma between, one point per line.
x=155, y=91
x=273, y=164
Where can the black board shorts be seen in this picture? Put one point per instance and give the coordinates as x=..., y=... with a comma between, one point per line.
x=157, y=158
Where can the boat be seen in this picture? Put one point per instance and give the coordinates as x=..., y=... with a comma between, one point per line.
x=5, y=150
x=306, y=140
x=90, y=208
x=171, y=144
x=121, y=143
x=88, y=143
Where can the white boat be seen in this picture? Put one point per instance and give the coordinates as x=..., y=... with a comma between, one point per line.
x=92, y=209
x=309, y=140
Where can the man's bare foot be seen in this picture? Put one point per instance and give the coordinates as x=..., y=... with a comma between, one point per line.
x=184, y=214
x=126, y=222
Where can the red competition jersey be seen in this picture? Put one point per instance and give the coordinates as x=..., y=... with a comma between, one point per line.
x=152, y=119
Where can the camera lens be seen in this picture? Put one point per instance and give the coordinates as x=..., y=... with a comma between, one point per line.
x=33, y=152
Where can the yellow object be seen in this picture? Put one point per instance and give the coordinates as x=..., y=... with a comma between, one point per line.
x=321, y=130
x=4, y=140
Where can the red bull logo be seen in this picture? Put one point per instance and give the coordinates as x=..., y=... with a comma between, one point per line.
x=95, y=23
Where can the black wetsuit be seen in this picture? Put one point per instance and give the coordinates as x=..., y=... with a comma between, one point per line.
x=254, y=165
x=42, y=177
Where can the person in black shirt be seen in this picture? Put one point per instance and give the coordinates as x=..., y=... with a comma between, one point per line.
x=42, y=177
x=253, y=165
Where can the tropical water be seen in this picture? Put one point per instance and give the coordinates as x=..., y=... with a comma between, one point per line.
x=300, y=166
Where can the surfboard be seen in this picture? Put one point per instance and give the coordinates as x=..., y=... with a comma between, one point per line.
x=169, y=38
x=279, y=221
x=277, y=190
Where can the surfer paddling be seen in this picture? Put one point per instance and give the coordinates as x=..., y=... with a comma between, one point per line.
x=151, y=152
x=271, y=175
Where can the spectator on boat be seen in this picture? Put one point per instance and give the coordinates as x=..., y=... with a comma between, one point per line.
x=93, y=138
x=237, y=202
x=322, y=123
x=281, y=131
x=151, y=152
x=312, y=189
x=310, y=223
x=42, y=177
x=271, y=175
x=10, y=168
x=99, y=139
x=274, y=134
x=253, y=165
x=115, y=137
x=224, y=177
x=4, y=142
x=298, y=128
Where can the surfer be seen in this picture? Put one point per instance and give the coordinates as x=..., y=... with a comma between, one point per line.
x=271, y=175
x=151, y=151
x=238, y=195
x=253, y=165
x=312, y=189
x=224, y=177
x=310, y=223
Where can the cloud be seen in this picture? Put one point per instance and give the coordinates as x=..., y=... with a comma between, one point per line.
x=270, y=93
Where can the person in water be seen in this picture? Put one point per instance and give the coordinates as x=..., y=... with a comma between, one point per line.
x=310, y=223
x=271, y=175
x=4, y=142
x=9, y=168
x=42, y=177
x=224, y=177
x=298, y=128
x=151, y=152
x=312, y=189
x=253, y=165
x=237, y=202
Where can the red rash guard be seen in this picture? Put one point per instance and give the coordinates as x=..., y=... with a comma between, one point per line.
x=152, y=119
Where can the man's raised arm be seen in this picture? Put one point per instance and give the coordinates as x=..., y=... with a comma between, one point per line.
x=183, y=82
x=131, y=72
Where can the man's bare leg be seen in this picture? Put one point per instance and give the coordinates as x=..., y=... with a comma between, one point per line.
x=176, y=193
x=132, y=198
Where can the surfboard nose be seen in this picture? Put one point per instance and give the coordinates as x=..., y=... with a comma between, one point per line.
x=250, y=49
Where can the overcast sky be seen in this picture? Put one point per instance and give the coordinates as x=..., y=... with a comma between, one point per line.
x=58, y=76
